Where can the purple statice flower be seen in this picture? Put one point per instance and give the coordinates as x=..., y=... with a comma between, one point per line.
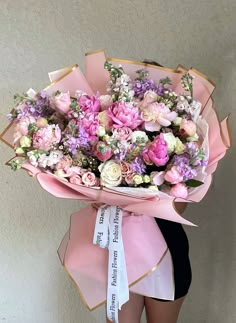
x=138, y=165
x=142, y=86
x=182, y=162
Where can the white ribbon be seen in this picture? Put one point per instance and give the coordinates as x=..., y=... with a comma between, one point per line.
x=108, y=234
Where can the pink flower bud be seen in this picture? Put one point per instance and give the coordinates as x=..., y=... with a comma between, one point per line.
x=102, y=151
x=179, y=190
x=173, y=176
x=187, y=128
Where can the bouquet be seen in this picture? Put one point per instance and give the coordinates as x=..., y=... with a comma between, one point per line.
x=133, y=137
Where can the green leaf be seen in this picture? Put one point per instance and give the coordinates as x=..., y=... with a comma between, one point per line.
x=193, y=183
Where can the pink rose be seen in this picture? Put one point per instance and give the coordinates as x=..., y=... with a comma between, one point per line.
x=149, y=98
x=65, y=163
x=89, y=179
x=105, y=101
x=157, y=115
x=22, y=127
x=124, y=115
x=46, y=138
x=129, y=178
x=173, y=176
x=179, y=190
x=89, y=103
x=74, y=170
x=75, y=179
x=157, y=178
x=156, y=152
x=62, y=102
x=125, y=168
x=123, y=133
x=187, y=128
x=102, y=151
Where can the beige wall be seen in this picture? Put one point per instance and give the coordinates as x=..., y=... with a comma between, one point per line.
x=41, y=36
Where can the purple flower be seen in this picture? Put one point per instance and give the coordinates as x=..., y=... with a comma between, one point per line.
x=73, y=144
x=138, y=166
x=141, y=87
x=182, y=163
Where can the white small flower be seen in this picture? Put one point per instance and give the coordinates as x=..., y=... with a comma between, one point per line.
x=195, y=137
x=79, y=93
x=139, y=137
x=101, y=131
x=177, y=121
x=171, y=141
x=32, y=158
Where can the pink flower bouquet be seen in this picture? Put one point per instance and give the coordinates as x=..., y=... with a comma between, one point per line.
x=133, y=137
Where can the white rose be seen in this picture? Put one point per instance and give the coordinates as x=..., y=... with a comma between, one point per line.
x=110, y=173
x=171, y=141
x=139, y=137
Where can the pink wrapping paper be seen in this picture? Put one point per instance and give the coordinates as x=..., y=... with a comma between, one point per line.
x=148, y=261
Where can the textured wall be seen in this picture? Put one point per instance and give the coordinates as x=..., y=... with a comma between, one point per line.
x=41, y=36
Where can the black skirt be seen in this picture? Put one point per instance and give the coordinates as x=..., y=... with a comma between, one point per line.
x=178, y=245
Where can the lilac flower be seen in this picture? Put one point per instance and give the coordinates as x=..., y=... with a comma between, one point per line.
x=73, y=144
x=138, y=166
x=141, y=87
x=182, y=162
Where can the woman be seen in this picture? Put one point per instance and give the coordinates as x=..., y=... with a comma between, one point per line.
x=160, y=311
x=157, y=310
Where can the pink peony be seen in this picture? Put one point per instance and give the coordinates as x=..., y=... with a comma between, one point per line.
x=65, y=163
x=156, y=152
x=187, y=128
x=157, y=115
x=123, y=133
x=102, y=151
x=89, y=103
x=62, y=102
x=105, y=101
x=46, y=138
x=75, y=179
x=124, y=115
x=179, y=190
x=89, y=179
x=173, y=176
x=90, y=124
x=149, y=98
x=22, y=127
